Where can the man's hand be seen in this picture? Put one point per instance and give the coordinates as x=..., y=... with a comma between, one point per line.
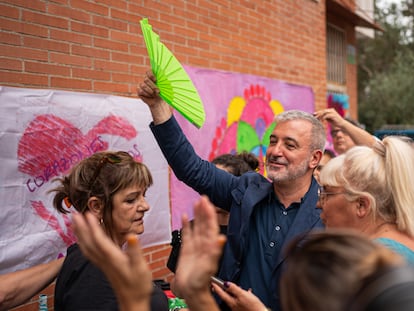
x=150, y=94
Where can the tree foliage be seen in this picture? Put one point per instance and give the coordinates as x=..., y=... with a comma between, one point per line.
x=386, y=69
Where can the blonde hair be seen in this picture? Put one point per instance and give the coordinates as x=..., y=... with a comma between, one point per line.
x=384, y=174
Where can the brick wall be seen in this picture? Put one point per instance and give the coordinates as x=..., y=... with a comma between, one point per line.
x=97, y=47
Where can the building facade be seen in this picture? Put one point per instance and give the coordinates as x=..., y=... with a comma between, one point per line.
x=97, y=47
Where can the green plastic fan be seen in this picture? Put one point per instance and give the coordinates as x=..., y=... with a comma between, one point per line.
x=175, y=86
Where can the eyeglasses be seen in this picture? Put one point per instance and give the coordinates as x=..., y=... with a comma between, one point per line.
x=322, y=194
x=112, y=159
x=335, y=132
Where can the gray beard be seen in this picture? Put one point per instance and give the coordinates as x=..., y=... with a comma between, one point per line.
x=278, y=177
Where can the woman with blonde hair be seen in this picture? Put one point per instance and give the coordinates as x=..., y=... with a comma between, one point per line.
x=372, y=190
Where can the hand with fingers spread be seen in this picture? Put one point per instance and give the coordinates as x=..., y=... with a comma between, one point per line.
x=200, y=252
x=127, y=271
x=239, y=299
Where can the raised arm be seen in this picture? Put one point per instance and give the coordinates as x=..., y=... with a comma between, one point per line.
x=358, y=135
x=18, y=287
x=149, y=93
x=199, y=174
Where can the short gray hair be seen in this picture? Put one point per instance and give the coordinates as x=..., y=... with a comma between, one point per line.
x=318, y=131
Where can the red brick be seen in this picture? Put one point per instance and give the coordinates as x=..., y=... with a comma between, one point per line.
x=9, y=12
x=61, y=58
x=68, y=12
x=19, y=27
x=110, y=65
x=86, y=28
x=125, y=36
x=10, y=38
x=42, y=19
x=108, y=87
x=93, y=8
x=122, y=5
x=14, y=79
x=68, y=36
x=109, y=23
x=124, y=57
x=124, y=15
x=46, y=68
x=46, y=44
x=90, y=52
x=91, y=74
x=110, y=44
x=11, y=64
x=37, y=5
x=70, y=83
x=23, y=53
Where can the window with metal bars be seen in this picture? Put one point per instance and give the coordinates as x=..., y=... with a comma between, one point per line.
x=336, y=55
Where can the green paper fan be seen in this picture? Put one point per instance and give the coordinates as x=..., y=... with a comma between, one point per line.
x=175, y=86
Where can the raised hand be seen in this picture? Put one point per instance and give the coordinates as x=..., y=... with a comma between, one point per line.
x=199, y=256
x=127, y=271
x=150, y=94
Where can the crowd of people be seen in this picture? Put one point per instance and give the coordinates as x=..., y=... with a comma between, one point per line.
x=324, y=230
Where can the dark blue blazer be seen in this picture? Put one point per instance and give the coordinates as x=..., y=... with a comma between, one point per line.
x=240, y=195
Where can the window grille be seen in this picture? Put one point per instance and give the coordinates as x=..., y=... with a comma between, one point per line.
x=336, y=55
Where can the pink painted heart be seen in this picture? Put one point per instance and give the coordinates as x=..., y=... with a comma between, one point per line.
x=51, y=144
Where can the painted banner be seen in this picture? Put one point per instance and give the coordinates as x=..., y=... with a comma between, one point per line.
x=43, y=133
x=240, y=109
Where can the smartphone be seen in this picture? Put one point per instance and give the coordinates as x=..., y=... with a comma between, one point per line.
x=219, y=282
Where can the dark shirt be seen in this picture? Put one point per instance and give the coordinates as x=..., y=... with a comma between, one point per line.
x=81, y=286
x=270, y=223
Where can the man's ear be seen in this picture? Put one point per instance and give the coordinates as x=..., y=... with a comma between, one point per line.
x=363, y=206
x=95, y=207
x=315, y=159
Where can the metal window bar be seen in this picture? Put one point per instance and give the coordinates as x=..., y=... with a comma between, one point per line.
x=336, y=54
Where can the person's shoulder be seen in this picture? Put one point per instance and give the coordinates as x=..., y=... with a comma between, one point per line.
x=73, y=250
x=254, y=177
x=74, y=258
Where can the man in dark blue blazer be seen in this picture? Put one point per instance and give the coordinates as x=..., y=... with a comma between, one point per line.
x=265, y=213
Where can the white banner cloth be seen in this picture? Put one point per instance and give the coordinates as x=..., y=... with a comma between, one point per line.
x=43, y=133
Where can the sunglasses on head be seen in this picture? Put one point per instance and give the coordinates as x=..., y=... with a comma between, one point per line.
x=111, y=158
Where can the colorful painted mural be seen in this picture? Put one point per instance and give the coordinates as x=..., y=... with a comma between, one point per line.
x=240, y=110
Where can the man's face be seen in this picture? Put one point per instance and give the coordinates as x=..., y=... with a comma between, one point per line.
x=288, y=156
x=342, y=142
